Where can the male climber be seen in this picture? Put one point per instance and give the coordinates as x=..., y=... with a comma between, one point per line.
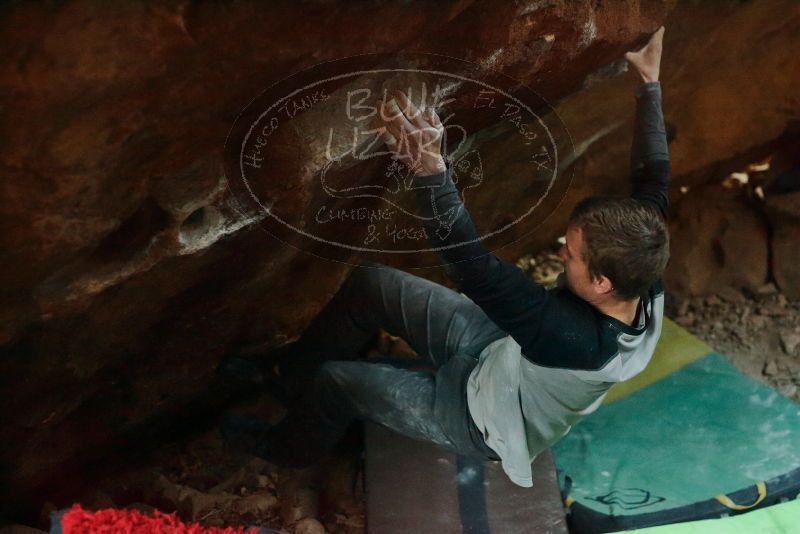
x=516, y=365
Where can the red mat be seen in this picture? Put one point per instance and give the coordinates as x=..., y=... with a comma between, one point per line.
x=76, y=520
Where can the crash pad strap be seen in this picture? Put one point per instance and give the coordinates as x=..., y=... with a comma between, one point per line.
x=414, y=486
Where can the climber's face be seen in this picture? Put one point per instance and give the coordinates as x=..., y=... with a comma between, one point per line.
x=576, y=271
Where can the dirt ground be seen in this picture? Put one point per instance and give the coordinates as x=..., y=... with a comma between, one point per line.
x=759, y=333
x=206, y=482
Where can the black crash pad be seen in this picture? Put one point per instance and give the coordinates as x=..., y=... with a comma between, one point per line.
x=413, y=486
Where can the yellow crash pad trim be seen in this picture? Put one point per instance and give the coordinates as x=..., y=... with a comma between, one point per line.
x=676, y=347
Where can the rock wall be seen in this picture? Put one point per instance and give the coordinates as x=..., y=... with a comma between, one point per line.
x=127, y=269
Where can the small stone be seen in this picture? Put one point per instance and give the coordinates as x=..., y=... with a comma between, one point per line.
x=309, y=525
x=297, y=504
x=231, y=483
x=256, y=504
x=789, y=341
x=263, y=481
x=683, y=307
x=290, y=513
x=256, y=465
x=782, y=302
x=767, y=289
x=195, y=504
x=774, y=310
x=730, y=294
x=685, y=320
x=771, y=368
x=713, y=300
x=758, y=321
x=718, y=326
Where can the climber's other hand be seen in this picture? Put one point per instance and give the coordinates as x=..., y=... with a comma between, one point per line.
x=647, y=61
x=413, y=135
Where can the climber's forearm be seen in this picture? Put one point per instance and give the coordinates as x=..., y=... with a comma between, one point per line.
x=508, y=296
x=650, y=133
x=449, y=227
x=649, y=153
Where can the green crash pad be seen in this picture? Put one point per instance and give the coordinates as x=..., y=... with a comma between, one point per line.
x=699, y=442
x=778, y=519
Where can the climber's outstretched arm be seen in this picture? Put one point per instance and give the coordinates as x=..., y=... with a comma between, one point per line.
x=649, y=155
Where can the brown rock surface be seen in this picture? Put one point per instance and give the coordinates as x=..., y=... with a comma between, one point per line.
x=718, y=240
x=128, y=269
x=783, y=211
x=720, y=113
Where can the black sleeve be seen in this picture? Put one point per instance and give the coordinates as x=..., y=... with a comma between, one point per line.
x=510, y=298
x=649, y=155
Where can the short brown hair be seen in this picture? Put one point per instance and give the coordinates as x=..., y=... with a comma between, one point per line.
x=625, y=240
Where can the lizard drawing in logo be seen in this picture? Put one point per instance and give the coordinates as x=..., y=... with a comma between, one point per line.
x=398, y=180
